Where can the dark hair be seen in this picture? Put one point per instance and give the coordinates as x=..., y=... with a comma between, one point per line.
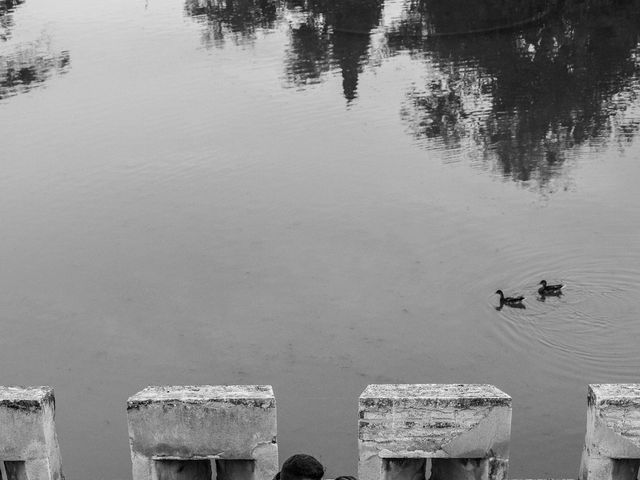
x=301, y=466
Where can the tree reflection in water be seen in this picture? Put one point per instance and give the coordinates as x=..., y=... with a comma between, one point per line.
x=6, y=19
x=324, y=33
x=29, y=66
x=540, y=79
x=26, y=65
x=328, y=34
x=527, y=97
x=235, y=19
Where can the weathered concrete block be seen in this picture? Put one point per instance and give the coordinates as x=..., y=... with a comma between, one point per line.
x=612, y=441
x=220, y=423
x=28, y=441
x=435, y=421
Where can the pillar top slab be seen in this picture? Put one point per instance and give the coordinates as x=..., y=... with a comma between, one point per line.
x=471, y=393
x=618, y=394
x=200, y=394
x=25, y=397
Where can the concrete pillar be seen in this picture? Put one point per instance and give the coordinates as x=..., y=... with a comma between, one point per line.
x=28, y=443
x=191, y=431
x=612, y=442
x=462, y=430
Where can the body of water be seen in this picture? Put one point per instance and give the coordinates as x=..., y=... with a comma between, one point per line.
x=318, y=195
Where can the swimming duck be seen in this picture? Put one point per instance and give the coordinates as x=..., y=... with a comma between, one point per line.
x=509, y=300
x=550, y=289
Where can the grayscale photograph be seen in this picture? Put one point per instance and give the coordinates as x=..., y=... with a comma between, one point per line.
x=319, y=239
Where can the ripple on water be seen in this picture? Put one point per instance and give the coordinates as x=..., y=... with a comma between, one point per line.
x=591, y=328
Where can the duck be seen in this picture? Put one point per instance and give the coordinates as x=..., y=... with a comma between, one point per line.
x=509, y=300
x=550, y=289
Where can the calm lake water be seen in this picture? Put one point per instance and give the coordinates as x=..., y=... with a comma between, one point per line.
x=318, y=195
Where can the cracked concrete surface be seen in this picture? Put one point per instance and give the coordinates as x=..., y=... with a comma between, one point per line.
x=435, y=421
x=204, y=422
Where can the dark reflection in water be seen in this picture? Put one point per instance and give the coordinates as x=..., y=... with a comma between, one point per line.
x=527, y=97
x=542, y=78
x=309, y=54
x=436, y=18
x=514, y=305
x=331, y=34
x=6, y=19
x=238, y=20
x=325, y=34
x=27, y=65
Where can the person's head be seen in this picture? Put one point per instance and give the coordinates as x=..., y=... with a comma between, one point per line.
x=301, y=467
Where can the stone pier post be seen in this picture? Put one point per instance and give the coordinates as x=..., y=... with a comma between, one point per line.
x=28, y=442
x=612, y=442
x=460, y=432
x=184, y=432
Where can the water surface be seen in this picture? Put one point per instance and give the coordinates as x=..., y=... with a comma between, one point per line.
x=318, y=195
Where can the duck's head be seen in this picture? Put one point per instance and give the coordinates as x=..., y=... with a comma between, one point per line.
x=543, y=283
x=499, y=292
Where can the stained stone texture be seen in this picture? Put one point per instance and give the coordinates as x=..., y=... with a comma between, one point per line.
x=612, y=442
x=28, y=441
x=435, y=421
x=229, y=422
